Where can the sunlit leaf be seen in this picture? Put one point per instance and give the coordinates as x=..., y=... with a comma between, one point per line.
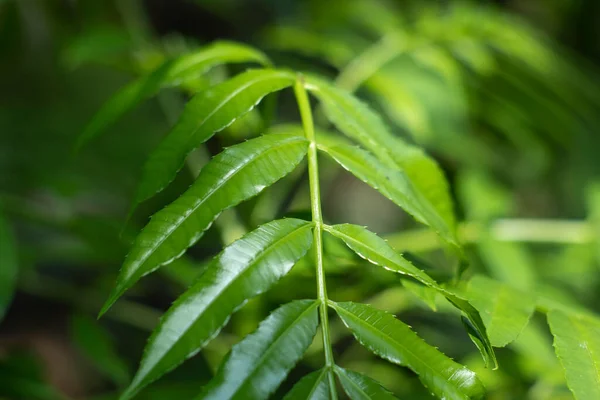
x=361, y=387
x=377, y=251
x=314, y=386
x=236, y=174
x=391, y=183
x=172, y=72
x=8, y=265
x=258, y=364
x=243, y=270
x=358, y=121
x=504, y=310
x=577, y=345
x=394, y=341
x=208, y=112
x=98, y=347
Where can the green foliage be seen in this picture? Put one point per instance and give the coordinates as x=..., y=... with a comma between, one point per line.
x=426, y=199
x=314, y=386
x=504, y=310
x=174, y=72
x=577, y=344
x=257, y=365
x=446, y=94
x=250, y=265
x=361, y=387
x=392, y=340
x=235, y=175
x=208, y=112
x=246, y=268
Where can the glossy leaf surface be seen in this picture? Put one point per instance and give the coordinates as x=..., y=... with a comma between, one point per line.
x=360, y=387
x=577, y=345
x=238, y=173
x=244, y=269
x=258, y=364
x=8, y=265
x=393, y=184
x=394, y=341
x=170, y=73
x=314, y=386
x=377, y=251
x=504, y=310
x=358, y=121
x=208, y=112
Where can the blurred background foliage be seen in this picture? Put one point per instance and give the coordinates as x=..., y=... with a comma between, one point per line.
x=504, y=94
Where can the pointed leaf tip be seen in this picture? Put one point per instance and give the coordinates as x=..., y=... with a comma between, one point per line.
x=207, y=113
x=172, y=72
x=258, y=364
x=235, y=175
x=389, y=338
x=244, y=269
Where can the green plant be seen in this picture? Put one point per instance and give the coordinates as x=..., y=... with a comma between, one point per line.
x=251, y=265
x=509, y=115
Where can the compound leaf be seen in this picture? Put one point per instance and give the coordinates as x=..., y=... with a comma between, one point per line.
x=361, y=387
x=172, y=72
x=394, y=341
x=258, y=364
x=208, y=112
x=246, y=268
x=393, y=183
x=355, y=119
x=236, y=174
x=314, y=386
x=377, y=251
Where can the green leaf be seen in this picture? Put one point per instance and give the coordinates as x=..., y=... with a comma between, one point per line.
x=390, y=182
x=258, y=364
x=246, y=268
x=426, y=294
x=314, y=386
x=8, y=265
x=238, y=173
x=394, y=341
x=358, y=121
x=208, y=112
x=172, y=72
x=361, y=387
x=577, y=345
x=98, y=347
x=508, y=262
x=504, y=310
x=377, y=251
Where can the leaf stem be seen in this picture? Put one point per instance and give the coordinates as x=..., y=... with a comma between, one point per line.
x=317, y=217
x=504, y=230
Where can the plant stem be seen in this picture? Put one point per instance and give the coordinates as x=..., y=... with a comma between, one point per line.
x=504, y=230
x=317, y=217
